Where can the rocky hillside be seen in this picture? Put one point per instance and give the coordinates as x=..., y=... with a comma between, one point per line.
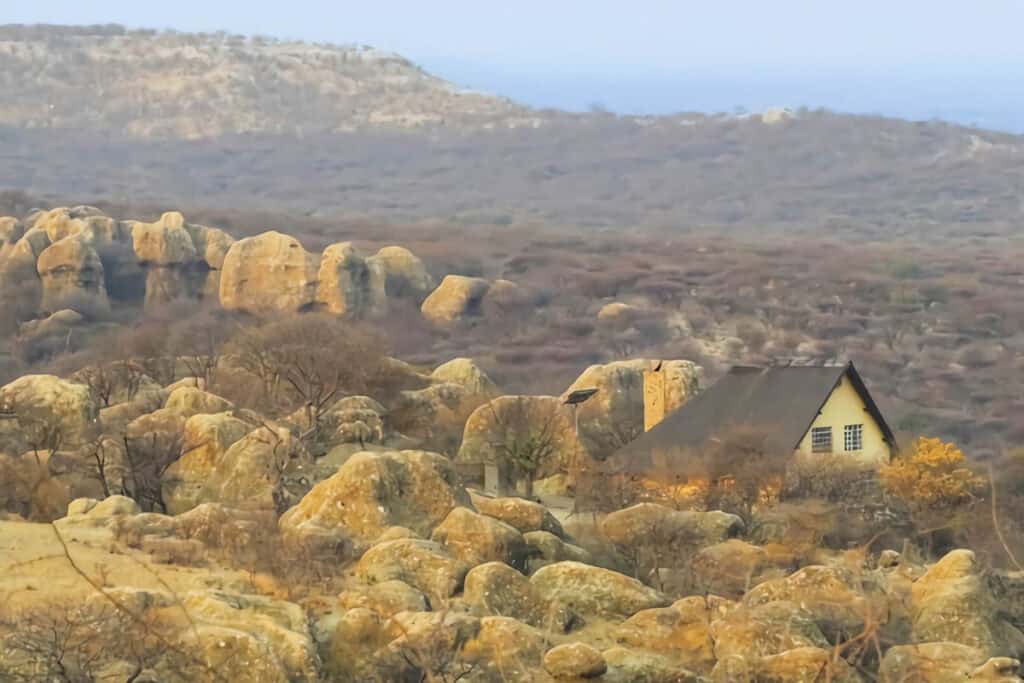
x=149, y=84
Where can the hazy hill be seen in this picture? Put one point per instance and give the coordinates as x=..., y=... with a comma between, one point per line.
x=150, y=84
x=353, y=133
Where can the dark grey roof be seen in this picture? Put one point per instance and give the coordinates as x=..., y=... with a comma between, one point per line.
x=781, y=402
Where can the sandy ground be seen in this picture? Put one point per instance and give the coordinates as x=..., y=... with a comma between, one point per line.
x=34, y=566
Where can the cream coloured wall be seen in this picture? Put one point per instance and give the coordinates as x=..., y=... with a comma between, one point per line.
x=845, y=407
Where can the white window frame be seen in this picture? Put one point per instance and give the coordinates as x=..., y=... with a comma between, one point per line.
x=853, y=438
x=819, y=442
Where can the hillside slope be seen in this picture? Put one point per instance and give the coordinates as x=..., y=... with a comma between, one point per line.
x=150, y=84
x=352, y=133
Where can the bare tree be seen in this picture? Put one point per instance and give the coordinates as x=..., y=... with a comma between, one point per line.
x=523, y=436
x=310, y=361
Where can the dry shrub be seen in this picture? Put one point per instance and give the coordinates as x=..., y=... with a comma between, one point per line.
x=834, y=478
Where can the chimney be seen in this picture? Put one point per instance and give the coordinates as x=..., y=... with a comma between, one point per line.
x=654, y=397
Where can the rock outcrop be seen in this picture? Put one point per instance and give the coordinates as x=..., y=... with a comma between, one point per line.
x=267, y=469
x=206, y=439
x=456, y=298
x=573, y=661
x=944, y=662
x=163, y=243
x=405, y=275
x=268, y=273
x=524, y=515
x=496, y=589
x=681, y=632
x=424, y=565
x=376, y=490
x=45, y=403
x=593, y=591
x=475, y=539
x=349, y=284
x=72, y=277
x=952, y=602
x=679, y=529
x=465, y=373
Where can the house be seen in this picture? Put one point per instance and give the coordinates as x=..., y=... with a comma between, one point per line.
x=810, y=410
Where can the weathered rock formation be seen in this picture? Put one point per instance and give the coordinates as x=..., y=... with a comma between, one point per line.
x=374, y=491
x=457, y=297
x=405, y=275
x=72, y=276
x=268, y=273
x=349, y=284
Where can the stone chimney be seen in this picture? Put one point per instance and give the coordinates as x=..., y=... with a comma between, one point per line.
x=654, y=396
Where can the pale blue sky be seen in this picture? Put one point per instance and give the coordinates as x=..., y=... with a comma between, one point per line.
x=576, y=34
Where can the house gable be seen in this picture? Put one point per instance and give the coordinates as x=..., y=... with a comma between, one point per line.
x=849, y=404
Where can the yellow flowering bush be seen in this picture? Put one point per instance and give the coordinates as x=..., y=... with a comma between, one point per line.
x=933, y=476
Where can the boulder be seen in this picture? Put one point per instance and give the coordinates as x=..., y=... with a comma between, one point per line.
x=592, y=591
x=548, y=549
x=618, y=314
x=633, y=666
x=572, y=661
x=376, y=490
x=475, y=539
x=386, y=598
x=349, y=284
x=839, y=600
x=456, y=298
x=267, y=469
x=270, y=272
x=743, y=635
x=681, y=632
x=424, y=565
x=246, y=638
x=944, y=662
x=497, y=589
x=799, y=665
x=72, y=277
x=729, y=568
x=467, y=374
x=436, y=414
x=62, y=222
x=350, y=645
x=212, y=244
x=11, y=230
x=58, y=323
x=405, y=275
x=508, y=423
x=952, y=602
x=46, y=402
x=524, y=515
x=425, y=640
x=165, y=242
x=207, y=437
x=505, y=650
x=614, y=416
x=647, y=523
x=191, y=401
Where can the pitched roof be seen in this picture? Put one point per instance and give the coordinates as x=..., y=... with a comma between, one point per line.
x=782, y=402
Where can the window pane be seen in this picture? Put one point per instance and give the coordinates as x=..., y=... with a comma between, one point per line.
x=853, y=437
x=821, y=440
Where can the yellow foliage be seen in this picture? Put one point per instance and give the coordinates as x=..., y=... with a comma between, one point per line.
x=933, y=476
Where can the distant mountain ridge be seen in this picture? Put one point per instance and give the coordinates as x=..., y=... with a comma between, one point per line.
x=94, y=114
x=152, y=84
